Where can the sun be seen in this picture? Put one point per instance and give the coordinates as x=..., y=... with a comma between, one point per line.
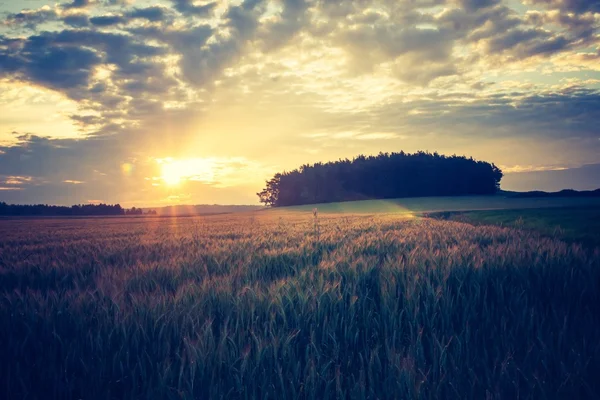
x=176, y=172
x=171, y=174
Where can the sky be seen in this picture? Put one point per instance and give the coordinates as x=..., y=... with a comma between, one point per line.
x=190, y=102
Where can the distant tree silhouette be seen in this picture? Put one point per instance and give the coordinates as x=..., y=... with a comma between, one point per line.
x=387, y=175
x=134, y=211
x=270, y=194
x=47, y=210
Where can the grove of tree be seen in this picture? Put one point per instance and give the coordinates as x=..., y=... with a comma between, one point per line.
x=387, y=175
x=76, y=210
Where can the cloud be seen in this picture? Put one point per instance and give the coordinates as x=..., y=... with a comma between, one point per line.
x=189, y=7
x=107, y=20
x=419, y=55
x=516, y=169
x=153, y=14
x=35, y=156
x=201, y=61
x=31, y=18
x=54, y=67
x=292, y=19
x=586, y=177
x=74, y=61
x=86, y=120
x=313, y=79
x=554, y=115
x=527, y=43
x=472, y=5
x=74, y=171
x=76, y=20
x=75, y=4
x=15, y=180
x=578, y=6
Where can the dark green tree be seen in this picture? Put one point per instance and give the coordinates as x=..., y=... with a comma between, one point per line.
x=269, y=196
x=387, y=175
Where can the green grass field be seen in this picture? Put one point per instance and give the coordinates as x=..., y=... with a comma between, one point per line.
x=282, y=305
x=438, y=204
x=573, y=224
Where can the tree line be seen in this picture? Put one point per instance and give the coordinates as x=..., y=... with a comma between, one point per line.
x=387, y=175
x=76, y=210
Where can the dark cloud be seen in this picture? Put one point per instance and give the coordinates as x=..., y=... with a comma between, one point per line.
x=34, y=156
x=514, y=37
x=31, y=18
x=201, y=65
x=505, y=32
x=293, y=19
x=76, y=20
x=473, y=26
x=51, y=161
x=577, y=6
x=66, y=61
x=86, y=120
x=77, y=4
x=243, y=19
x=180, y=40
x=107, y=20
x=71, y=51
x=549, y=46
x=190, y=8
x=56, y=67
x=117, y=2
x=580, y=27
x=153, y=14
x=201, y=62
x=472, y=5
x=527, y=43
x=61, y=67
x=118, y=49
x=557, y=115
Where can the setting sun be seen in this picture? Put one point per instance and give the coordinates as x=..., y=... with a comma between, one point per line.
x=174, y=172
x=171, y=174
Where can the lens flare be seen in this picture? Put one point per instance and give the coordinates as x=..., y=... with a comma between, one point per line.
x=127, y=168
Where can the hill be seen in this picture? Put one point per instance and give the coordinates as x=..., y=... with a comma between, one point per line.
x=561, y=193
x=202, y=209
x=452, y=203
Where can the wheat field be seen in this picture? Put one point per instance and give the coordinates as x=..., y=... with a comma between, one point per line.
x=272, y=305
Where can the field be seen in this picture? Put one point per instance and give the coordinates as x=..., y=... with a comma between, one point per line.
x=414, y=205
x=572, y=224
x=283, y=305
